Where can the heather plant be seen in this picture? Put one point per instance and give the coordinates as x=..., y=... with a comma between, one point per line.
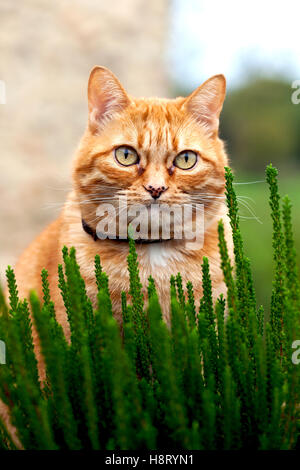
x=220, y=376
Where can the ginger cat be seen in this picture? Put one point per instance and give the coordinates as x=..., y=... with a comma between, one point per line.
x=149, y=150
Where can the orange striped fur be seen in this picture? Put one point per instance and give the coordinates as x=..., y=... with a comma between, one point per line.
x=158, y=129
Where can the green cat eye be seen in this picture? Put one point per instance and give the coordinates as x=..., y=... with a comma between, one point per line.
x=126, y=156
x=185, y=160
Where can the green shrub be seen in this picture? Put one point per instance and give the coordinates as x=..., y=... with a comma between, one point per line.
x=203, y=383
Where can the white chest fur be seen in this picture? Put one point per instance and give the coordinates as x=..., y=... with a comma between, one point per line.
x=160, y=255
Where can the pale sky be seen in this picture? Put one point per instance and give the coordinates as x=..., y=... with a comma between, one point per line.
x=232, y=37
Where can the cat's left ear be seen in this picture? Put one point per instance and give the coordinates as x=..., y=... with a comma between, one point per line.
x=206, y=102
x=106, y=97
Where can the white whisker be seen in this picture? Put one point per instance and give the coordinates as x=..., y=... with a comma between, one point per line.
x=251, y=182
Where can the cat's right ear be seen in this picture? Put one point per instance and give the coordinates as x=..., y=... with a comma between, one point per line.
x=206, y=102
x=106, y=97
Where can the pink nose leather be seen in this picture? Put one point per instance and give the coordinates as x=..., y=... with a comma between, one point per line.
x=155, y=191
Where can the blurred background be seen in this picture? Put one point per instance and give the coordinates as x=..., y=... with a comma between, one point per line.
x=158, y=47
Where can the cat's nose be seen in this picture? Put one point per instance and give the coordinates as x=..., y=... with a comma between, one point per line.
x=155, y=191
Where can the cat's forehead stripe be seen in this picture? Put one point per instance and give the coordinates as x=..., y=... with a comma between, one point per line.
x=156, y=126
x=156, y=137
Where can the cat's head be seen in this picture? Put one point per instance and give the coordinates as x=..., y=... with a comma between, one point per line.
x=152, y=150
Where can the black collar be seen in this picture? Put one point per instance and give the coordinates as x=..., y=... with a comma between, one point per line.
x=90, y=231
